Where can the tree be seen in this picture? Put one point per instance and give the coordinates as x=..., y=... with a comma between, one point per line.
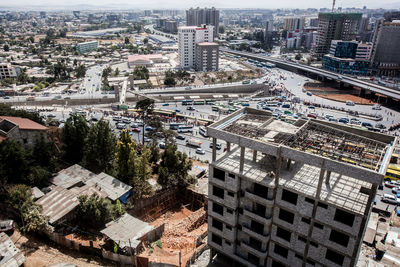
x=94, y=212
x=106, y=72
x=174, y=168
x=6, y=48
x=20, y=198
x=140, y=73
x=100, y=147
x=116, y=72
x=73, y=136
x=31, y=39
x=13, y=162
x=80, y=71
x=146, y=107
x=145, y=40
x=142, y=171
x=169, y=81
x=127, y=40
x=298, y=56
x=125, y=146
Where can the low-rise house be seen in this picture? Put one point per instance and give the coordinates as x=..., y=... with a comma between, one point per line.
x=10, y=255
x=72, y=176
x=20, y=129
x=146, y=60
x=114, y=188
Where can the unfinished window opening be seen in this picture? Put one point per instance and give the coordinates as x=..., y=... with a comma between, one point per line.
x=218, y=208
x=281, y=250
x=284, y=234
x=254, y=243
x=216, y=239
x=231, y=175
x=253, y=259
x=260, y=190
x=231, y=194
x=257, y=227
x=339, y=238
x=219, y=174
x=277, y=264
x=302, y=239
x=217, y=224
x=218, y=192
x=318, y=225
x=309, y=200
x=334, y=257
x=322, y=205
x=289, y=196
x=344, y=217
x=259, y=209
x=306, y=220
x=286, y=216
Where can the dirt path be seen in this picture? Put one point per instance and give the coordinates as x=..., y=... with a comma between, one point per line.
x=40, y=254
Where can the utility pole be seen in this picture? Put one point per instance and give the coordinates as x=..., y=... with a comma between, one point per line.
x=333, y=5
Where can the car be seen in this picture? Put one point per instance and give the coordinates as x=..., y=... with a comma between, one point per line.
x=149, y=128
x=344, y=120
x=134, y=125
x=116, y=118
x=146, y=139
x=126, y=120
x=217, y=146
x=380, y=126
x=350, y=103
x=299, y=84
x=312, y=115
x=180, y=137
x=188, y=88
x=200, y=151
x=376, y=107
x=190, y=108
x=7, y=226
x=286, y=106
x=177, y=110
x=121, y=126
x=333, y=119
x=6, y=97
x=139, y=123
x=391, y=184
x=367, y=124
x=355, y=121
x=328, y=117
x=136, y=130
x=162, y=145
x=390, y=199
x=165, y=104
x=309, y=93
x=395, y=189
x=311, y=107
x=51, y=116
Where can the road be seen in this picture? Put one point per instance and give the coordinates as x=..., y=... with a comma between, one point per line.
x=346, y=79
x=151, y=28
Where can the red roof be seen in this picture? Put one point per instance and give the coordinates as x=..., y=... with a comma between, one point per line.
x=24, y=124
x=2, y=138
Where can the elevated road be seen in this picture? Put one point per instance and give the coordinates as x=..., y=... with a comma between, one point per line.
x=291, y=66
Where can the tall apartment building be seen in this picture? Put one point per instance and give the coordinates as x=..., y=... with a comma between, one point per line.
x=293, y=23
x=8, y=71
x=85, y=47
x=200, y=16
x=269, y=25
x=188, y=37
x=335, y=26
x=292, y=194
x=207, y=56
x=386, y=52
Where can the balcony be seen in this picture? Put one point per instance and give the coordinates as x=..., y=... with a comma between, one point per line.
x=257, y=216
x=259, y=199
x=261, y=253
x=264, y=237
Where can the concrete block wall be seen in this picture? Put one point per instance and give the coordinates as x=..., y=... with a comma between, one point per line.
x=326, y=216
x=290, y=260
x=294, y=244
x=229, y=234
x=228, y=201
x=322, y=236
x=319, y=254
x=229, y=218
x=302, y=207
x=298, y=226
x=230, y=183
x=227, y=248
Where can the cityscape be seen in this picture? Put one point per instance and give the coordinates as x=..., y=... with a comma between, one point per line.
x=199, y=134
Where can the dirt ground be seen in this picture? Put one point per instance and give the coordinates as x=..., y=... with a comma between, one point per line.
x=39, y=254
x=182, y=228
x=345, y=97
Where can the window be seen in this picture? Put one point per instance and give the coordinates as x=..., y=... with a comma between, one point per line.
x=260, y=190
x=277, y=264
x=334, y=257
x=298, y=256
x=257, y=227
x=218, y=192
x=228, y=227
x=302, y=239
x=309, y=200
x=253, y=259
x=322, y=205
x=344, y=217
x=289, y=196
x=254, y=243
x=229, y=211
x=284, y=234
x=339, y=238
x=281, y=251
x=217, y=224
x=231, y=194
x=240, y=210
x=306, y=220
x=216, y=239
x=227, y=242
x=286, y=216
x=310, y=262
x=219, y=174
x=318, y=225
x=259, y=209
x=313, y=244
x=218, y=208
x=231, y=175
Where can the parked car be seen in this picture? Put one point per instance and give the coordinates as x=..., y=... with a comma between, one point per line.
x=344, y=120
x=309, y=93
x=312, y=115
x=180, y=137
x=165, y=104
x=190, y=108
x=380, y=126
x=376, y=107
x=126, y=120
x=200, y=151
x=391, y=184
x=149, y=128
x=390, y=199
x=162, y=145
x=217, y=146
x=367, y=124
x=137, y=130
x=7, y=226
x=121, y=126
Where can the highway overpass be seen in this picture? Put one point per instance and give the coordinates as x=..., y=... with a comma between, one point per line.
x=291, y=66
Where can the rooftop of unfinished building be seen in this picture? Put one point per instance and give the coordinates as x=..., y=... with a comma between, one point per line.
x=365, y=149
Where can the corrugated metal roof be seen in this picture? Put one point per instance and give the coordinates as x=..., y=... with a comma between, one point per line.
x=113, y=187
x=11, y=255
x=72, y=176
x=125, y=229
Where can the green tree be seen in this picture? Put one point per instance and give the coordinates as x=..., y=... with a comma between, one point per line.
x=174, y=168
x=127, y=40
x=146, y=107
x=169, y=81
x=13, y=162
x=145, y=40
x=99, y=147
x=298, y=56
x=80, y=71
x=73, y=136
x=106, y=72
x=116, y=72
x=20, y=198
x=142, y=172
x=140, y=73
x=125, y=146
x=6, y=47
x=94, y=212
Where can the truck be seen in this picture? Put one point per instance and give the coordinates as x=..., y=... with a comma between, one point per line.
x=193, y=142
x=30, y=98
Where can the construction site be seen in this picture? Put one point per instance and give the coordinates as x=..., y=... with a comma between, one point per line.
x=183, y=216
x=292, y=192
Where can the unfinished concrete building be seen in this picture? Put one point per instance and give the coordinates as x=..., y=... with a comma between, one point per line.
x=292, y=194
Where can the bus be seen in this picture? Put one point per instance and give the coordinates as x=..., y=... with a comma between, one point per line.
x=185, y=129
x=215, y=108
x=203, y=131
x=199, y=102
x=392, y=175
x=210, y=101
x=175, y=125
x=186, y=102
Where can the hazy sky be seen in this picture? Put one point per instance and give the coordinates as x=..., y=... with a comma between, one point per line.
x=217, y=3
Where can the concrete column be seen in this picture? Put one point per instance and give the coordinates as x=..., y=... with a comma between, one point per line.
x=289, y=161
x=242, y=151
x=214, y=149
x=255, y=155
x=228, y=146
x=328, y=177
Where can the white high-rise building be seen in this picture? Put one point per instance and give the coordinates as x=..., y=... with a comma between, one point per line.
x=188, y=37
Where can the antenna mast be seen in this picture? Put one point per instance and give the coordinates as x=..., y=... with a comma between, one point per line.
x=333, y=5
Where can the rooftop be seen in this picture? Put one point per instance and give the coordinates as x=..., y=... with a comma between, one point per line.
x=24, y=123
x=71, y=176
x=10, y=255
x=312, y=140
x=126, y=231
x=114, y=188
